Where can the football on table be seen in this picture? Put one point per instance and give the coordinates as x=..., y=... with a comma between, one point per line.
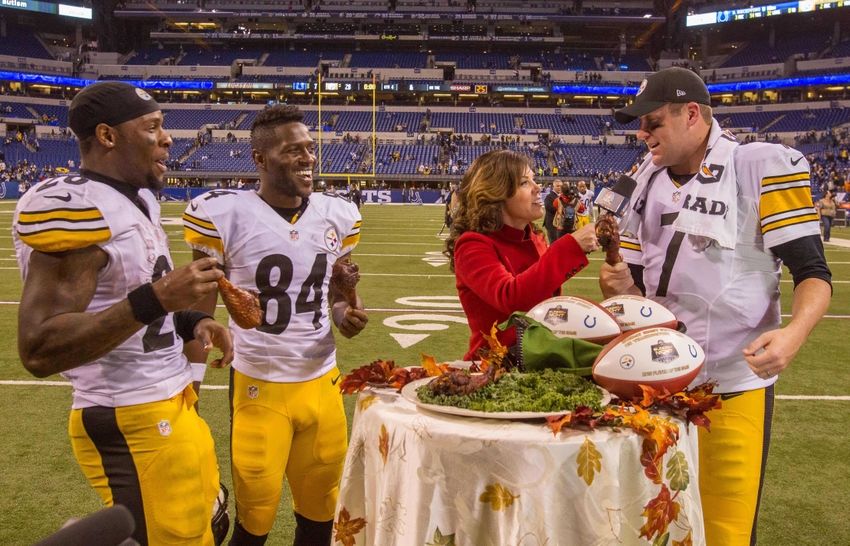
x=633, y=312
x=658, y=357
x=568, y=316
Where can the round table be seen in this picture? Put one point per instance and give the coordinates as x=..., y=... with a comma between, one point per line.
x=416, y=477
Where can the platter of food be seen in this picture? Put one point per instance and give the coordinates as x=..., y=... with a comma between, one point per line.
x=514, y=396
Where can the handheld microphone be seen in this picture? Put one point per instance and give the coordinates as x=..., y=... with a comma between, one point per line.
x=108, y=527
x=616, y=199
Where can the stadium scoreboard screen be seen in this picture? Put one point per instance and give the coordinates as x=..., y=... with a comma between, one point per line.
x=756, y=12
x=64, y=10
x=334, y=86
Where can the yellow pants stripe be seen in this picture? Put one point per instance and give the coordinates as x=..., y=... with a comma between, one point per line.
x=732, y=458
x=158, y=460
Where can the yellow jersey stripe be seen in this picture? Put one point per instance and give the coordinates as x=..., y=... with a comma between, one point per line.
x=789, y=222
x=198, y=222
x=629, y=246
x=351, y=240
x=358, y=224
x=788, y=199
x=69, y=215
x=59, y=240
x=202, y=241
x=770, y=180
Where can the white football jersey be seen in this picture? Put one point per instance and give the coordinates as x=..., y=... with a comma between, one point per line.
x=726, y=297
x=288, y=264
x=72, y=212
x=585, y=199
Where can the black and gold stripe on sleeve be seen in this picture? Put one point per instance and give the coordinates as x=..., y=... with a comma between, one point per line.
x=353, y=236
x=786, y=200
x=202, y=235
x=61, y=229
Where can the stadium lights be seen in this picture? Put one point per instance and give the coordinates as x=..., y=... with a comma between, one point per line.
x=539, y=96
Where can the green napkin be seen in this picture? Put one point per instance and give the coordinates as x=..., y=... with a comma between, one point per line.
x=538, y=348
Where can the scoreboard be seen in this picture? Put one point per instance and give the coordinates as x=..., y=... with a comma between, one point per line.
x=767, y=10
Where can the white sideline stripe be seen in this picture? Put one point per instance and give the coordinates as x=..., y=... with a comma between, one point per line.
x=28, y=383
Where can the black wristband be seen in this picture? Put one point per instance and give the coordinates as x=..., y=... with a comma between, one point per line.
x=185, y=322
x=145, y=305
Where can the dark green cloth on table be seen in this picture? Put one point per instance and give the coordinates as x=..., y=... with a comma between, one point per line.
x=538, y=348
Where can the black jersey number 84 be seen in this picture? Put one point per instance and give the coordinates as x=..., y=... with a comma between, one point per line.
x=309, y=298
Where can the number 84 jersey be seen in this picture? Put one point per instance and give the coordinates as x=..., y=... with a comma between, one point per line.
x=288, y=264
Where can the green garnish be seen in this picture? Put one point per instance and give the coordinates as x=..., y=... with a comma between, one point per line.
x=545, y=391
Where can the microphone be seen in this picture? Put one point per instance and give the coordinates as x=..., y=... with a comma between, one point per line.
x=108, y=527
x=616, y=198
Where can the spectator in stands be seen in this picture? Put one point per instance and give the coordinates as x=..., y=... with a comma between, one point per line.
x=550, y=206
x=287, y=413
x=500, y=258
x=101, y=305
x=749, y=206
x=827, y=206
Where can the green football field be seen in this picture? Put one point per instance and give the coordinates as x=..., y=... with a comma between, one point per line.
x=409, y=293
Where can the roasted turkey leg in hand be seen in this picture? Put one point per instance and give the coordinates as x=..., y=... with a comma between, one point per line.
x=243, y=306
x=608, y=233
x=344, y=278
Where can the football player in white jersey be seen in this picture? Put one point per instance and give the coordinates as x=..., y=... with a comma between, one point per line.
x=585, y=200
x=287, y=414
x=708, y=228
x=98, y=305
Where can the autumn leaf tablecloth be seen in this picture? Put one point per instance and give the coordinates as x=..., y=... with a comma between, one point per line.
x=416, y=478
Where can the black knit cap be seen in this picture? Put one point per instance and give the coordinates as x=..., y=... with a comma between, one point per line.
x=111, y=103
x=672, y=84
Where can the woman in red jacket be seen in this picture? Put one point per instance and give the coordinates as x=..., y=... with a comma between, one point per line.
x=500, y=258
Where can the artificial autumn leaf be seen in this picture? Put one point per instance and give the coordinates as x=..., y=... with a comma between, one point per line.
x=495, y=354
x=375, y=373
x=659, y=513
x=662, y=540
x=677, y=472
x=589, y=461
x=384, y=443
x=429, y=364
x=687, y=541
x=441, y=540
x=498, y=497
x=346, y=528
x=651, y=395
x=366, y=401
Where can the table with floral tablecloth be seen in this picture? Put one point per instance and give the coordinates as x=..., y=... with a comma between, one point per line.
x=415, y=477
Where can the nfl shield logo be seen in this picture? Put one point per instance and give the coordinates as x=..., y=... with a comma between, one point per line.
x=253, y=392
x=164, y=427
x=293, y=235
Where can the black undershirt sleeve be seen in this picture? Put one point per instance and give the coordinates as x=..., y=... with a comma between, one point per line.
x=637, y=276
x=805, y=259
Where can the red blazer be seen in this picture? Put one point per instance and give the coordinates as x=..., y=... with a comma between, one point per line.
x=509, y=270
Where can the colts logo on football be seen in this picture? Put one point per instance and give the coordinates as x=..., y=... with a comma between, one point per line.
x=164, y=427
x=253, y=392
x=331, y=239
x=556, y=315
x=664, y=352
x=616, y=309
